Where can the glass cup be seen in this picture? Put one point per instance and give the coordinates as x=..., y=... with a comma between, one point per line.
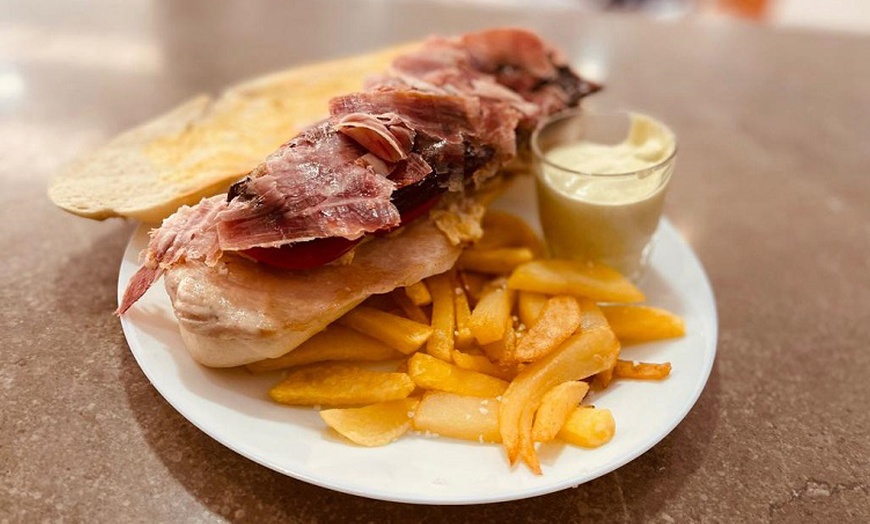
x=601, y=184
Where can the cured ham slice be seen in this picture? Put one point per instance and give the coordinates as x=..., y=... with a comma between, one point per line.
x=307, y=191
x=445, y=117
x=385, y=136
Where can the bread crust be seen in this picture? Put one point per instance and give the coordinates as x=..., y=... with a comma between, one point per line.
x=202, y=146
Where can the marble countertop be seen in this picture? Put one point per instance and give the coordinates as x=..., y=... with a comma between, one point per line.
x=771, y=191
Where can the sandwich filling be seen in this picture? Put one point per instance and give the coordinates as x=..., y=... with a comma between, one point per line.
x=443, y=119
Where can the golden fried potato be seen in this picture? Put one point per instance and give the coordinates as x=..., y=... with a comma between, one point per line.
x=332, y=384
x=556, y=405
x=482, y=364
x=398, y=332
x=372, y=425
x=641, y=370
x=570, y=277
x=602, y=379
x=635, y=324
x=502, y=229
x=557, y=321
x=473, y=284
x=497, y=261
x=333, y=343
x=464, y=337
x=408, y=307
x=503, y=351
x=440, y=344
x=419, y=294
x=592, y=349
x=529, y=306
x=492, y=314
x=431, y=373
x=457, y=416
x=588, y=427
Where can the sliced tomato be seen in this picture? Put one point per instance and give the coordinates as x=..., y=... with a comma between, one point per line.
x=303, y=255
x=320, y=251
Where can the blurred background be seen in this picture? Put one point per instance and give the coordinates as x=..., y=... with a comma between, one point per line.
x=140, y=57
x=837, y=15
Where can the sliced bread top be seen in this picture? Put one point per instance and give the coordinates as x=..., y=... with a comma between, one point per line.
x=201, y=147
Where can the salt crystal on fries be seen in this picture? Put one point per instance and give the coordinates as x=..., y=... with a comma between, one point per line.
x=464, y=336
x=441, y=343
x=474, y=285
x=457, y=416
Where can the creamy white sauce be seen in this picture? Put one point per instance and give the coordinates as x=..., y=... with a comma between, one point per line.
x=606, y=202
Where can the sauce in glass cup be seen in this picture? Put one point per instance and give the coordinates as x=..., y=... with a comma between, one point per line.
x=601, y=184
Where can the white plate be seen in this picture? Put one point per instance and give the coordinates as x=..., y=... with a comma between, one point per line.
x=232, y=406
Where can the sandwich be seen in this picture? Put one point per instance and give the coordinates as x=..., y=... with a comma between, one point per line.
x=381, y=194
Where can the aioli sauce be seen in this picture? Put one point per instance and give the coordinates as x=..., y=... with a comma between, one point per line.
x=587, y=214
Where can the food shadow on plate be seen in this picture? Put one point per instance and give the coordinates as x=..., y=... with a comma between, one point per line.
x=154, y=330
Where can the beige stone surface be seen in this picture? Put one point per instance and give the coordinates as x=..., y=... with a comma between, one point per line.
x=772, y=191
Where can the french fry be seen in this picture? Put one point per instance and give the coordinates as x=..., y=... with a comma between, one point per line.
x=492, y=314
x=429, y=372
x=602, y=379
x=482, y=364
x=570, y=277
x=333, y=343
x=559, y=319
x=419, y=294
x=473, y=284
x=592, y=349
x=502, y=229
x=397, y=332
x=588, y=427
x=332, y=384
x=457, y=416
x=529, y=306
x=411, y=310
x=556, y=405
x=440, y=345
x=635, y=324
x=503, y=351
x=641, y=370
x=497, y=261
x=464, y=337
x=372, y=425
